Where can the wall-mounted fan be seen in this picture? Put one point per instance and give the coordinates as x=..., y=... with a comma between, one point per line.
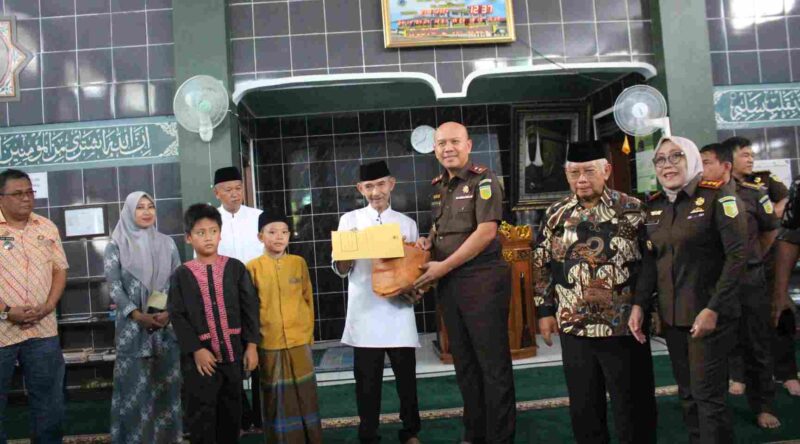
x=641, y=110
x=200, y=105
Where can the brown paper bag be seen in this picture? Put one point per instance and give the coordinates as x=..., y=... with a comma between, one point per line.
x=391, y=277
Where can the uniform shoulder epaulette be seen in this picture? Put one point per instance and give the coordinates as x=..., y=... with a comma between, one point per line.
x=711, y=184
x=654, y=196
x=437, y=179
x=629, y=203
x=761, y=177
x=478, y=169
x=764, y=177
x=752, y=186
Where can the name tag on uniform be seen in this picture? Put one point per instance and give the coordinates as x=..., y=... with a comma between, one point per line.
x=696, y=213
x=469, y=196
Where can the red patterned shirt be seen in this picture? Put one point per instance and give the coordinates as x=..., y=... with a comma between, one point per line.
x=28, y=258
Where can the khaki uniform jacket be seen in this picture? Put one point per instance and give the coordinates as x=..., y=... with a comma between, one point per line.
x=459, y=204
x=696, y=252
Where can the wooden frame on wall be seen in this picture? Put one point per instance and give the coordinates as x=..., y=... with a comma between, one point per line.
x=409, y=23
x=539, y=154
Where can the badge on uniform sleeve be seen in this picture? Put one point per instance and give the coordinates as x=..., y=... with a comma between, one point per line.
x=485, y=189
x=729, y=206
x=767, y=204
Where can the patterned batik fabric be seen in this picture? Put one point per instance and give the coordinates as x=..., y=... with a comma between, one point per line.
x=27, y=260
x=130, y=294
x=146, y=404
x=289, y=396
x=587, y=262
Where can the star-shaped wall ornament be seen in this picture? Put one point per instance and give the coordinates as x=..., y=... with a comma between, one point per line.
x=13, y=59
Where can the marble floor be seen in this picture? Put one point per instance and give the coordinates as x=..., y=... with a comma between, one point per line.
x=429, y=365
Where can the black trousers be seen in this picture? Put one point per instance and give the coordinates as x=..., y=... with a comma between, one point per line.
x=751, y=361
x=251, y=416
x=783, y=347
x=368, y=372
x=475, y=303
x=624, y=368
x=700, y=367
x=214, y=407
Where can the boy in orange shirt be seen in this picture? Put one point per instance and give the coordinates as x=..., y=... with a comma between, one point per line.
x=288, y=383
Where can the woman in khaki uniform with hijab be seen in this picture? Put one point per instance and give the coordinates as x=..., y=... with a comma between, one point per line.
x=696, y=255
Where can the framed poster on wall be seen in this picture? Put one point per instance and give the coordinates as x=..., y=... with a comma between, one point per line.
x=87, y=221
x=439, y=22
x=540, y=151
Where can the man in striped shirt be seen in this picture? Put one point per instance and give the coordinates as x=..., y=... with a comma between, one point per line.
x=33, y=273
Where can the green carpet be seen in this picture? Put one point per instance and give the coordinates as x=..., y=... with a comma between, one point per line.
x=530, y=384
x=551, y=425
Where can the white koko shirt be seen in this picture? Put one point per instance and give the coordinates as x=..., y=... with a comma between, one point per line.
x=240, y=234
x=372, y=320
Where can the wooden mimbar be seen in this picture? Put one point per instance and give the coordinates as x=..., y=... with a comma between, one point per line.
x=517, y=251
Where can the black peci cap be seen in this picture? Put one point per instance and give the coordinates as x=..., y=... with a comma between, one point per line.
x=227, y=174
x=579, y=152
x=271, y=215
x=374, y=170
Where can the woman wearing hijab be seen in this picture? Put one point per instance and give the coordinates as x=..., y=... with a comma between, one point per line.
x=146, y=406
x=696, y=254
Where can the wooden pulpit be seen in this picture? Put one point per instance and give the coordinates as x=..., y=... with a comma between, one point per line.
x=517, y=251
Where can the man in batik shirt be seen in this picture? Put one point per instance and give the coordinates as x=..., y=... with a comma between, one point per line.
x=588, y=261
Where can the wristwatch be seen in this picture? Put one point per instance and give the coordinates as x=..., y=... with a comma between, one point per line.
x=4, y=313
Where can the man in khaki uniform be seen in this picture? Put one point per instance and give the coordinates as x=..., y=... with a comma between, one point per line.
x=754, y=357
x=473, y=285
x=785, y=365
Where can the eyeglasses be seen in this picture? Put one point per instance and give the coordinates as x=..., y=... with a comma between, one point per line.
x=20, y=194
x=589, y=173
x=673, y=158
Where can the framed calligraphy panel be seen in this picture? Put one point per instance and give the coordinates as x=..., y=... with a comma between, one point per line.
x=757, y=106
x=152, y=139
x=442, y=22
